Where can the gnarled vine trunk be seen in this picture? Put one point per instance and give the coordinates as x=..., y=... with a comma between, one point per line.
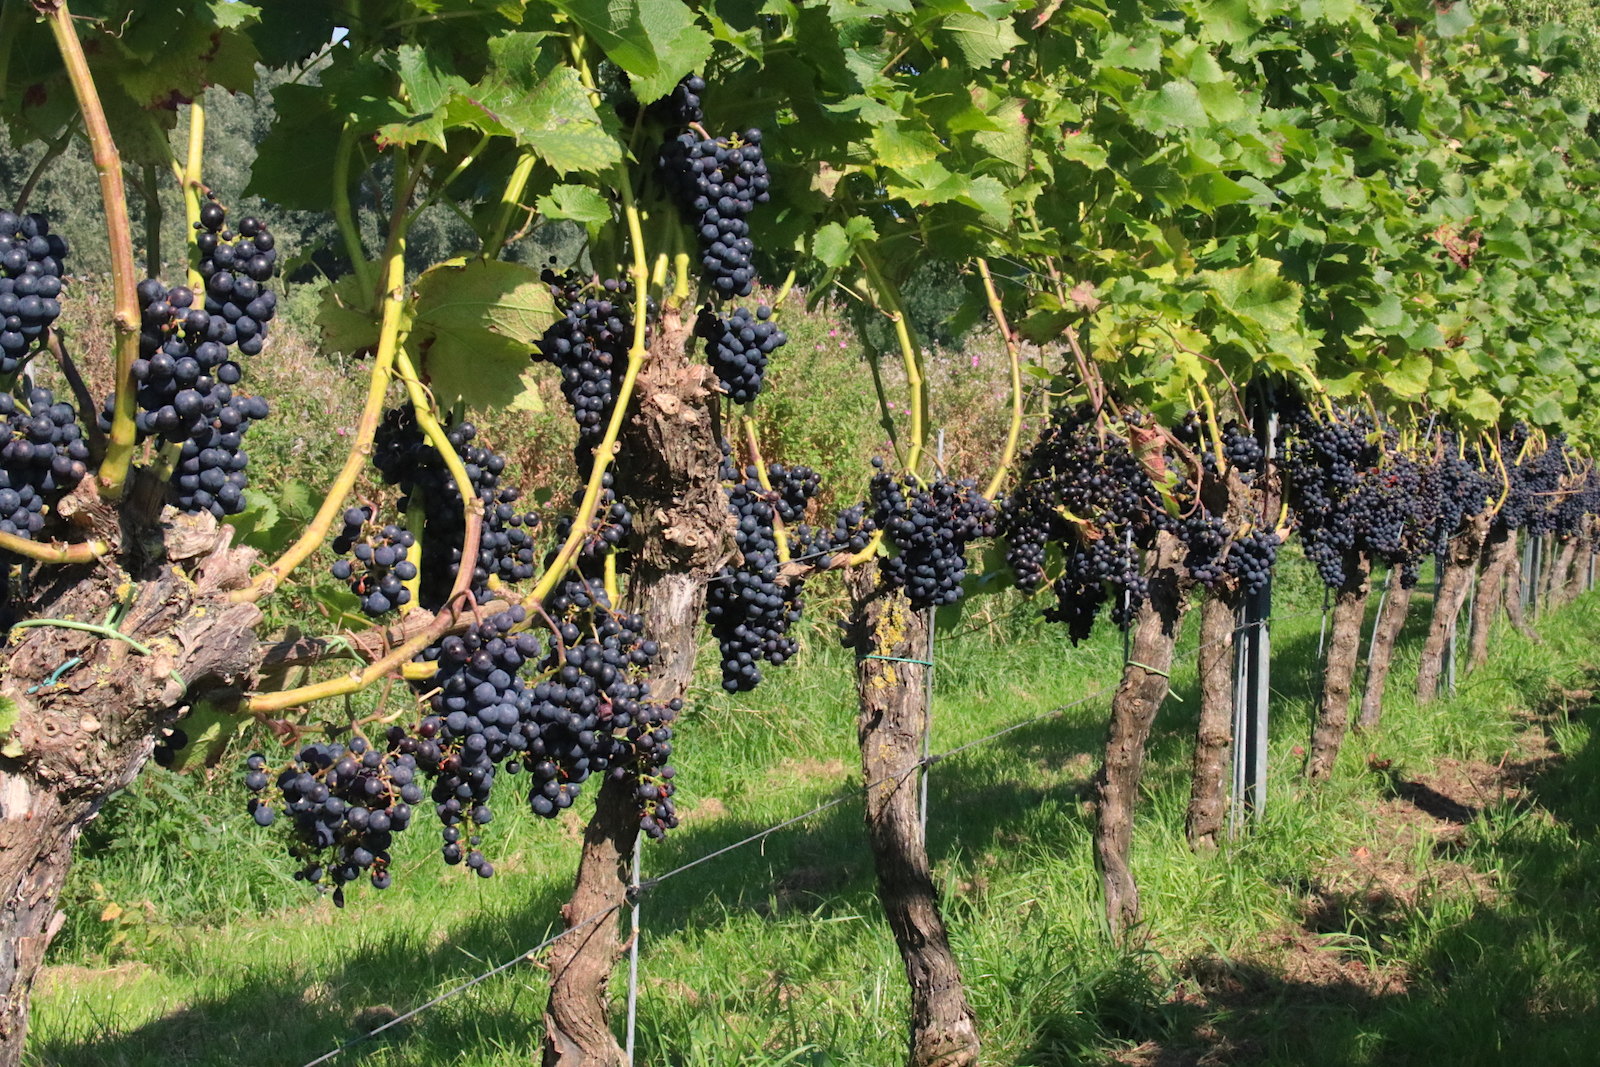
x=1380, y=654
x=1512, y=593
x=1144, y=685
x=1344, y=649
x=85, y=706
x=1499, y=551
x=668, y=470
x=891, y=685
x=1453, y=586
x=1213, y=746
x=1561, y=574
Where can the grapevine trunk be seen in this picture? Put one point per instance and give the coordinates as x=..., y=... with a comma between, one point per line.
x=890, y=726
x=1344, y=649
x=1453, y=586
x=1499, y=550
x=1380, y=655
x=1144, y=685
x=1213, y=749
x=669, y=473
x=87, y=707
x=1512, y=592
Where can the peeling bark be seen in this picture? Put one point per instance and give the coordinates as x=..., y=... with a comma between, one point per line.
x=1380, y=656
x=84, y=731
x=668, y=470
x=1513, y=592
x=1144, y=686
x=1213, y=747
x=1499, y=550
x=1344, y=649
x=893, y=716
x=1561, y=574
x=1453, y=585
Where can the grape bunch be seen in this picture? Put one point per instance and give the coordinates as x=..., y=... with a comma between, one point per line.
x=1460, y=485
x=30, y=282
x=589, y=346
x=1083, y=490
x=738, y=346
x=585, y=711
x=752, y=606
x=405, y=458
x=185, y=374
x=42, y=458
x=1323, y=465
x=716, y=183
x=930, y=527
x=346, y=803
x=681, y=107
x=1535, y=476
x=378, y=568
x=236, y=268
x=594, y=708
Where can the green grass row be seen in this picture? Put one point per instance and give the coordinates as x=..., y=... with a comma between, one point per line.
x=187, y=943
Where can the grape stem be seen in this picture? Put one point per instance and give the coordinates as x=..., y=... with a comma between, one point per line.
x=510, y=201
x=113, y=473
x=360, y=445
x=356, y=681
x=753, y=444
x=1014, y=356
x=423, y=408
x=916, y=386
x=189, y=180
x=603, y=452
x=344, y=217
x=80, y=391
x=52, y=152
x=53, y=551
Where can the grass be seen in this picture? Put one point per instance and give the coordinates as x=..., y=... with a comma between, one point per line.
x=186, y=943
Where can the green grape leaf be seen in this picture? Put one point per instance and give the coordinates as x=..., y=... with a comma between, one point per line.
x=656, y=41
x=555, y=118
x=346, y=319
x=980, y=39
x=476, y=322
x=1257, y=292
x=1409, y=379
x=579, y=203
x=209, y=728
x=834, y=244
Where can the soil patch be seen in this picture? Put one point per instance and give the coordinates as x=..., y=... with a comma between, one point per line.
x=1339, y=952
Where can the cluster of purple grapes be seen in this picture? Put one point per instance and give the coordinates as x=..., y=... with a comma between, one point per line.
x=716, y=182
x=589, y=346
x=185, y=374
x=738, y=346
x=1323, y=465
x=378, y=568
x=236, y=268
x=31, y=260
x=346, y=803
x=1084, y=491
x=42, y=458
x=1459, y=486
x=1218, y=553
x=597, y=705
x=506, y=549
x=1536, y=477
x=588, y=712
x=753, y=606
x=930, y=526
